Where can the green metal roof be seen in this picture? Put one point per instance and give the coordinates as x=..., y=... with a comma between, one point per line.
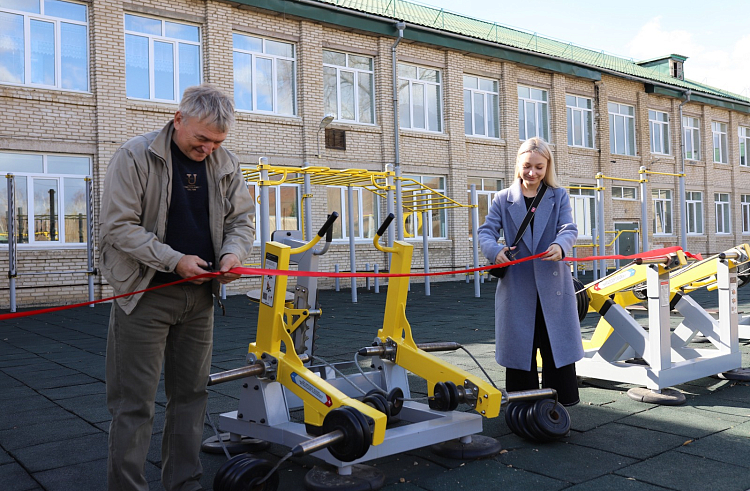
x=423, y=15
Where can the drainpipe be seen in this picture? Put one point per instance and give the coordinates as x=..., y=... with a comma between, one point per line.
x=683, y=204
x=397, y=159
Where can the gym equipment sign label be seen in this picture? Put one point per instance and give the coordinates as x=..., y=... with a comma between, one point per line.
x=311, y=389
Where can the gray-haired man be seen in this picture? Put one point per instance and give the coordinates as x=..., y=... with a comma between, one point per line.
x=174, y=202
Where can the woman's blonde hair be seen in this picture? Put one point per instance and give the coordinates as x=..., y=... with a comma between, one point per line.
x=541, y=147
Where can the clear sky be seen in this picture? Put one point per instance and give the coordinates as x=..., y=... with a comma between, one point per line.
x=715, y=36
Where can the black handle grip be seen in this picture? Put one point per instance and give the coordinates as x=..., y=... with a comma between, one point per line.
x=331, y=218
x=386, y=223
x=329, y=234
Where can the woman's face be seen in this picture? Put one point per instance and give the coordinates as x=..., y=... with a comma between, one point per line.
x=533, y=169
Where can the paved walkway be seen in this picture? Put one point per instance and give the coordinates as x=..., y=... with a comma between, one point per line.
x=54, y=421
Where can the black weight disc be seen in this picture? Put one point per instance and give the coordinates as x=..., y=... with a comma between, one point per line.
x=441, y=398
x=224, y=470
x=519, y=417
x=231, y=476
x=453, y=392
x=552, y=418
x=508, y=420
x=251, y=473
x=582, y=298
x=533, y=428
x=367, y=425
x=383, y=403
x=396, y=398
x=349, y=448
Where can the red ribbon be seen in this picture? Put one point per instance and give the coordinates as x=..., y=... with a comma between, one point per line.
x=282, y=272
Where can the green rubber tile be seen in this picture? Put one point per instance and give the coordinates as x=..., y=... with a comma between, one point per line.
x=683, y=420
x=401, y=486
x=32, y=415
x=66, y=453
x=626, y=440
x=730, y=446
x=5, y=458
x=493, y=474
x=11, y=394
x=584, y=417
x=74, y=391
x=407, y=467
x=611, y=482
x=92, y=408
x=739, y=409
x=678, y=470
x=566, y=462
x=44, y=432
x=734, y=391
x=15, y=478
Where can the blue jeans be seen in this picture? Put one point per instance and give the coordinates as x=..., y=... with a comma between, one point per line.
x=173, y=326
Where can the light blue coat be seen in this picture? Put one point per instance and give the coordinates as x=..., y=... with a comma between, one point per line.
x=515, y=297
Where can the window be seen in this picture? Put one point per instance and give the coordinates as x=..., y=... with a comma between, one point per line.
x=719, y=131
x=436, y=228
x=283, y=207
x=694, y=201
x=481, y=105
x=584, y=211
x=533, y=113
x=264, y=75
x=162, y=58
x=486, y=190
x=365, y=209
x=348, y=87
x=744, y=134
x=419, y=98
x=624, y=192
x=692, y=137
x=580, y=121
x=50, y=199
x=658, y=125
x=745, y=203
x=721, y=202
x=44, y=43
x=621, y=129
x=662, y=199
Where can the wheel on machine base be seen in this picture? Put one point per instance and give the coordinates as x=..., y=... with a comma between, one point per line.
x=667, y=397
x=326, y=478
x=479, y=447
x=243, y=445
x=243, y=472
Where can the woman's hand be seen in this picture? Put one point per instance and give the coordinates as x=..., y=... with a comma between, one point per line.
x=501, y=257
x=554, y=253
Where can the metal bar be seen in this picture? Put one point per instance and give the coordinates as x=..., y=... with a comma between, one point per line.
x=12, y=239
x=644, y=212
x=683, y=214
x=265, y=234
x=474, y=211
x=600, y=220
x=90, y=237
x=307, y=206
x=352, y=249
x=377, y=280
x=425, y=253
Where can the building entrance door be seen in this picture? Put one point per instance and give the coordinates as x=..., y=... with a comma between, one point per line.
x=626, y=243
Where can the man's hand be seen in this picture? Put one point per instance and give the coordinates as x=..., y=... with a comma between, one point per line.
x=228, y=261
x=553, y=253
x=190, y=266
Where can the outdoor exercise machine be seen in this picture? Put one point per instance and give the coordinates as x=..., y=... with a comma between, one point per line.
x=622, y=350
x=343, y=424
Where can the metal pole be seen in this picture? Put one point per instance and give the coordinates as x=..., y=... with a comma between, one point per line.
x=90, y=237
x=367, y=279
x=474, y=210
x=307, y=206
x=644, y=212
x=377, y=280
x=683, y=214
x=389, y=209
x=399, y=207
x=426, y=254
x=12, y=240
x=600, y=220
x=336, y=280
x=265, y=234
x=352, y=254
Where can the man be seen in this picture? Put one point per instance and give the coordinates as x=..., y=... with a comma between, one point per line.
x=174, y=203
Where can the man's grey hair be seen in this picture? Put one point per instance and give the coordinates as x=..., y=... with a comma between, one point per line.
x=208, y=104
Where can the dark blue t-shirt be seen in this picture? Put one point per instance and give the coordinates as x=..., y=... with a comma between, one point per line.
x=188, y=228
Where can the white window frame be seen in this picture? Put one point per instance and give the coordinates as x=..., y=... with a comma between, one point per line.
x=691, y=134
x=583, y=204
x=745, y=209
x=719, y=133
x=490, y=100
x=28, y=17
x=618, y=192
x=662, y=200
x=274, y=59
x=723, y=218
x=416, y=217
x=366, y=230
x=276, y=214
x=584, y=117
x=411, y=82
x=744, y=137
x=358, y=73
x=694, y=207
x=175, y=42
x=485, y=194
x=619, y=116
x=659, y=131
x=31, y=219
x=540, y=105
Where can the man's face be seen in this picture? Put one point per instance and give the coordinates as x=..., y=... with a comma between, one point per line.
x=196, y=139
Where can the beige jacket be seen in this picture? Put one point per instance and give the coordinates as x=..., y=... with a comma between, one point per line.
x=135, y=205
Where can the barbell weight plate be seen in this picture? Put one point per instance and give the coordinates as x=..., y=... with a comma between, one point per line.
x=441, y=399
x=367, y=426
x=533, y=428
x=582, y=298
x=349, y=448
x=552, y=418
x=453, y=393
x=396, y=398
x=252, y=472
x=519, y=417
x=377, y=402
x=231, y=475
x=227, y=466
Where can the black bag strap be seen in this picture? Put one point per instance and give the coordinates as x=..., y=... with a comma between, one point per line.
x=530, y=213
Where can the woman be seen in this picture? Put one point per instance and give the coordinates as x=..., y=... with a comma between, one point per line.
x=535, y=304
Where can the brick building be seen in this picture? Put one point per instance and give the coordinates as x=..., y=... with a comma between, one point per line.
x=77, y=78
